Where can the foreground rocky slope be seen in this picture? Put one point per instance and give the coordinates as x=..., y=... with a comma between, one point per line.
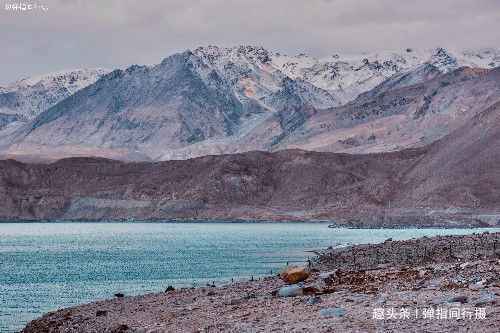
x=440, y=284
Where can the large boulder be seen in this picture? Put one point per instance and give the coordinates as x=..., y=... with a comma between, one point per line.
x=294, y=274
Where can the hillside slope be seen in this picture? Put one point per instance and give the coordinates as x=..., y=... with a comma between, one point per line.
x=462, y=168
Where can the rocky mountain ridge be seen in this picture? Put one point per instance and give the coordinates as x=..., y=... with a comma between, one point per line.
x=216, y=100
x=28, y=97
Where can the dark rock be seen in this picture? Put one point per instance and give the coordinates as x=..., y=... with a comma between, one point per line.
x=458, y=299
x=169, y=288
x=235, y=301
x=311, y=290
x=313, y=300
x=120, y=328
x=101, y=313
x=119, y=295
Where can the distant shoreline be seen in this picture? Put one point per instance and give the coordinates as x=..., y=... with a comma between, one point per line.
x=159, y=221
x=329, y=223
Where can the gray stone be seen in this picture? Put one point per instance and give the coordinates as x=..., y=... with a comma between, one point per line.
x=327, y=275
x=291, y=291
x=465, y=265
x=331, y=312
x=313, y=300
x=485, y=298
x=478, y=285
x=235, y=301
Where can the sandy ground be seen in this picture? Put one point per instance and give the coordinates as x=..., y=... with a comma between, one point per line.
x=458, y=293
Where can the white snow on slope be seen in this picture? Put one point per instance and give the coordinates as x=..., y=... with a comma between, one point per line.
x=348, y=75
x=28, y=97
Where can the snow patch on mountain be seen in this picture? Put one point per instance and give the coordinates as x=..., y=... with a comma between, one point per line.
x=28, y=97
x=250, y=71
x=348, y=75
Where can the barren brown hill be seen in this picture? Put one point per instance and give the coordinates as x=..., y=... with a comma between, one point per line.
x=252, y=185
x=454, y=179
x=461, y=169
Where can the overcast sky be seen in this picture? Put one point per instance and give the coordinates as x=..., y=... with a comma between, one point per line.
x=113, y=33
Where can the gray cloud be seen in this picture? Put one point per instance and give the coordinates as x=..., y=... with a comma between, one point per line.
x=111, y=33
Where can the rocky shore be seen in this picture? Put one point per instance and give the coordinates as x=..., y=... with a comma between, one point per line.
x=437, y=284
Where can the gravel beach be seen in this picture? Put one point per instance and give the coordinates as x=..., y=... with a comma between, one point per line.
x=437, y=284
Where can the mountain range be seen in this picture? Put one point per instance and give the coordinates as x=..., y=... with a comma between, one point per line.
x=214, y=100
x=380, y=139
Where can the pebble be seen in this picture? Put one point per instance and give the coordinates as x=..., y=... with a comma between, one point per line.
x=327, y=275
x=458, y=299
x=485, y=298
x=465, y=264
x=101, y=313
x=478, y=285
x=422, y=273
x=235, y=301
x=455, y=304
x=332, y=312
x=313, y=300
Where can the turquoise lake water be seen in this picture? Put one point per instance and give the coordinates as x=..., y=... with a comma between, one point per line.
x=47, y=266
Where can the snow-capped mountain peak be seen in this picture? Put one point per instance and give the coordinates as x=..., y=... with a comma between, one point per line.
x=219, y=100
x=77, y=78
x=255, y=54
x=348, y=75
